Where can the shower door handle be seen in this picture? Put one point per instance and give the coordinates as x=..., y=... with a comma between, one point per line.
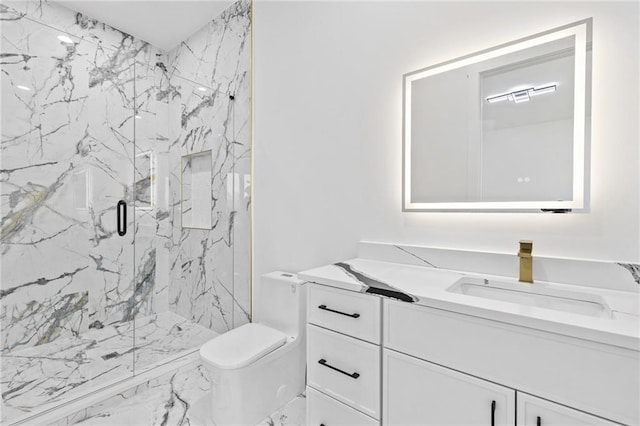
x=121, y=217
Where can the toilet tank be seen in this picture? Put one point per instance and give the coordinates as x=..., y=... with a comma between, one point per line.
x=280, y=303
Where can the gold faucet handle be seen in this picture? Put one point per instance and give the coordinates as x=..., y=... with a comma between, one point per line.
x=526, y=247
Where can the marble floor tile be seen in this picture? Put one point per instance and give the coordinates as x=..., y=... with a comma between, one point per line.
x=174, y=399
x=41, y=377
x=166, y=400
x=292, y=414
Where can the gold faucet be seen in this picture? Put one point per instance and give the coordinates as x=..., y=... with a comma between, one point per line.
x=526, y=261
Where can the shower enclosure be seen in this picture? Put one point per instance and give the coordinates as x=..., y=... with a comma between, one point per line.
x=100, y=280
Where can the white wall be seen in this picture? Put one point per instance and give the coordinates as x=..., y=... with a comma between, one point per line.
x=328, y=80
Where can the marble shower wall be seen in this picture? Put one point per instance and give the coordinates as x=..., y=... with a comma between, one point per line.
x=620, y=276
x=67, y=150
x=153, y=226
x=70, y=114
x=210, y=80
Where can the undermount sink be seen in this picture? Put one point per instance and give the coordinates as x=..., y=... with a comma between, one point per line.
x=538, y=295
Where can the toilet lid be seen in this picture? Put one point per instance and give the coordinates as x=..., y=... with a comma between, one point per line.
x=241, y=346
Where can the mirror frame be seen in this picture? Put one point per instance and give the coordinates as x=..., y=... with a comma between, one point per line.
x=582, y=31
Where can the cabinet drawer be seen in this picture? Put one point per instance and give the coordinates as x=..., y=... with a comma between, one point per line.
x=417, y=392
x=530, y=408
x=347, y=312
x=323, y=410
x=345, y=368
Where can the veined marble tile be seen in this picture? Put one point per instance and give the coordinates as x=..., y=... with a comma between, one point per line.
x=172, y=399
x=74, y=130
x=66, y=149
x=242, y=198
x=42, y=376
x=164, y=400
x=103, y=119
x=201, y=284
x=153, y=227
x=591, y=273
x=74, y=23
x=214, y=56
x=211, y=270
x=292, y=414
x=22, y=323
x=202, y=260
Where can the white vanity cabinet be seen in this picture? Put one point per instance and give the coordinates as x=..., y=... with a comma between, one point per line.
x=374, y=360
x=417, y=392
x=343, y=357
x=534, y=411
x=323, y=410
x=598, y=380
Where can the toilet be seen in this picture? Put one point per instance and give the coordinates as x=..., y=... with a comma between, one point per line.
x=257, y=368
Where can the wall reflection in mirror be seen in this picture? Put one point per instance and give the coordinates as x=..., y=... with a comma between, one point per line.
x=503, y=129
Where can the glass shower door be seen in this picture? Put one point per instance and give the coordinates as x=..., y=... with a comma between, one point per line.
x=67, y=269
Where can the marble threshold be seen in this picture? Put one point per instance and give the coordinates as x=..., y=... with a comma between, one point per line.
x=174, y=398
x=38, y=379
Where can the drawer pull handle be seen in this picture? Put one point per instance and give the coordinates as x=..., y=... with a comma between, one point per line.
x=493, y=413
x=538, y=421
x=352, y=375
x=324, y=308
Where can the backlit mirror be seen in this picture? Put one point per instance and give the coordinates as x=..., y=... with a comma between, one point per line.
x=501, y=129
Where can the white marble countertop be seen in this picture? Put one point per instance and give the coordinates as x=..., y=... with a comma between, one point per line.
x=429, y=288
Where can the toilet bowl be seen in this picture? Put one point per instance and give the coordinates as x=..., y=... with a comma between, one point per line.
x=257, y=368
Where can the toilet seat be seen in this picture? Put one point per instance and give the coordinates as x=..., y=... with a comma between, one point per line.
x=241, y=346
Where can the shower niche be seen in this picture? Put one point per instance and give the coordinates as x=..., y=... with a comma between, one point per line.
x=196, y=201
